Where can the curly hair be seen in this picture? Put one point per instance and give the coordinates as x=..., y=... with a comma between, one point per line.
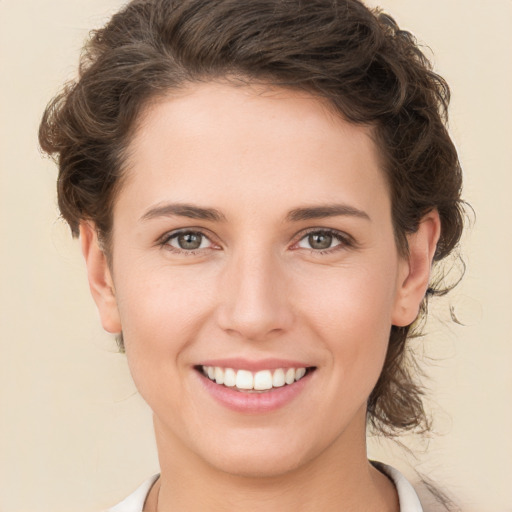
x=370, y=71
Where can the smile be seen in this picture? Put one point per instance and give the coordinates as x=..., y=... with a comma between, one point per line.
x=247, y=381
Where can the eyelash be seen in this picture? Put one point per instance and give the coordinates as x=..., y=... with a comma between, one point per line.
x=345, y=241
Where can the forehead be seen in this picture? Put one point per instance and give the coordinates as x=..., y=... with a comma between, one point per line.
x=216, y=142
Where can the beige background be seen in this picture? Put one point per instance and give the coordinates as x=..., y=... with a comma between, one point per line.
x=75, y=436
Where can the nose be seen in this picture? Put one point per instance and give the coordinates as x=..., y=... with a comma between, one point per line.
x=254, y=301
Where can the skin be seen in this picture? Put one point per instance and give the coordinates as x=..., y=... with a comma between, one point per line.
x=256, y=288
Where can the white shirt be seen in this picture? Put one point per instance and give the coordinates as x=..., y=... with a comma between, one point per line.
x=407, y=497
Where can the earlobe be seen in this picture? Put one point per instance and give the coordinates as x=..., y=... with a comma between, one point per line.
x=415, y=269
x=100, y=278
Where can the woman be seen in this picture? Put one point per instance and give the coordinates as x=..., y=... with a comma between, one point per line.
x=261, y=188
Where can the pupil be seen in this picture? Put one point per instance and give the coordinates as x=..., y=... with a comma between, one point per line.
x=189, y=241
x=320, y=241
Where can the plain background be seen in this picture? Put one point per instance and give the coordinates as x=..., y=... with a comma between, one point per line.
x=74, y=434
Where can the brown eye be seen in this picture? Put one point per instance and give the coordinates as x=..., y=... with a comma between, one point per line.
x=321, y=240
x=188, y=241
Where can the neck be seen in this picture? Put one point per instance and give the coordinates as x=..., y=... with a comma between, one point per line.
x=339, y=479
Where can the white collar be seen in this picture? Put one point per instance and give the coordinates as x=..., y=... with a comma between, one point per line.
x=135, y=502
x=407, y=497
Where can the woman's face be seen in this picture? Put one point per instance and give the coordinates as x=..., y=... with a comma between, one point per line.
x=253, y=233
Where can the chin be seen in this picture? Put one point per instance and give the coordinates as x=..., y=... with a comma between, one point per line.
x=259, y=456
x=258, y=465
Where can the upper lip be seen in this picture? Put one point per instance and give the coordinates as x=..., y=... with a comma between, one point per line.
x=254, y=365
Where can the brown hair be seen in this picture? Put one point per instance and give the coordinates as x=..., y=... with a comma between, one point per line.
x=370, y=71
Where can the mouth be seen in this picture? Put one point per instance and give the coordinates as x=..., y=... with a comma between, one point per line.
x=261, y=381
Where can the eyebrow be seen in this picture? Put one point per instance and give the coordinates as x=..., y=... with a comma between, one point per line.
x=211, y=214
x=184, y=210
x=323, y=211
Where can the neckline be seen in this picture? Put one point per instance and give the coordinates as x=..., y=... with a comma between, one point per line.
x=407, y=497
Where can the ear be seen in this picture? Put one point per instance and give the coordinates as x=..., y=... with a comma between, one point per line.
x=415, y=269
x=100, y=278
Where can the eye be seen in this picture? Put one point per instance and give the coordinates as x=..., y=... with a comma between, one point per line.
x=187, y=241
x=323, y=240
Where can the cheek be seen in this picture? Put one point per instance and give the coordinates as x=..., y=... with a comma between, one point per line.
x=161, y=301
x=352, y=315
x=161, y=313
x=356, y=298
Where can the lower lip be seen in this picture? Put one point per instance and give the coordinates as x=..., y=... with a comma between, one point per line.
x=254, y=403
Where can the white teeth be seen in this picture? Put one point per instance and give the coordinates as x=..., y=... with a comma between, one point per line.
x=289, y=378
x=259, y=381
x=229, y=377
x=219, y=375
x=263, y=380
x=244, y=380
x=300, y=373
x=278, y=378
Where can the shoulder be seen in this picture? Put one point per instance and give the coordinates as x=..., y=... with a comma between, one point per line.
x=135, y=502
